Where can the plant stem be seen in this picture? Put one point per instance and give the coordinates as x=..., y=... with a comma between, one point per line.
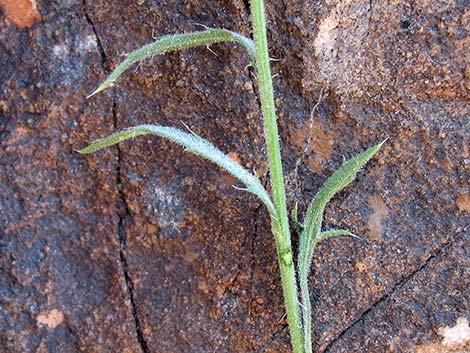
x=306, y=313
x=280, y=226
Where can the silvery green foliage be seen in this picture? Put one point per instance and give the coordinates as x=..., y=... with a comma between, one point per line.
x=175, y=42
x=194, y=144
x=311, y=233
x=335, y=233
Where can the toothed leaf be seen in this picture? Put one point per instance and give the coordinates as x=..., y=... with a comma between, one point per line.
x=195, y=144
x=174, y=42
x=312, y=234
x=314, y=216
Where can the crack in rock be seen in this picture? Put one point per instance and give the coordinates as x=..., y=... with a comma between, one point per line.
x=122, y=208
x=395, y=288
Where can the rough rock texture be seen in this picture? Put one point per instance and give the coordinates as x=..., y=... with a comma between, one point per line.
x=145, y=248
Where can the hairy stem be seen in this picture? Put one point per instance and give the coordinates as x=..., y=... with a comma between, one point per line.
x=280, y=226
x=306, y=312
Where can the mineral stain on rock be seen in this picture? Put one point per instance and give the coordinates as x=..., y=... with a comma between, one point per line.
x=51, y=319
x=380, y=212
x=313, y=142
x=455, y=339
x=463, y=202
x=456, y=336
x=22, y=13
x=164, y=203
x=343, y=31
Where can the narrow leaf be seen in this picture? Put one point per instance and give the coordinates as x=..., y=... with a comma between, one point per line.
x=174, y=42
x=335, y=233
x=314, y=216
x=195, y=144
x=312, y=234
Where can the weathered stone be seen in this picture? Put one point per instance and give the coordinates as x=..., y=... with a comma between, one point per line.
x=145, y=248
x=417, y=314
x=62, y=288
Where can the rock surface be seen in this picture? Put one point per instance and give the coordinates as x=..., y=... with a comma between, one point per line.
x=144, y=248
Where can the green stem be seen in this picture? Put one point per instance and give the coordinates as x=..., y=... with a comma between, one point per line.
x=306, y=311
x=280, y=226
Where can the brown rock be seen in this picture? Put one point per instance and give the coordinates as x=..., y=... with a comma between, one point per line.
x=145, y=248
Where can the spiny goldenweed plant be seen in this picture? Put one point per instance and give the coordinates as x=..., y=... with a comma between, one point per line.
x=294, y=283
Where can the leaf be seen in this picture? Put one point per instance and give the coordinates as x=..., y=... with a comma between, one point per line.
x=314, y=216
x=312, y=234
x=335, y=233
x=195, y=144
x=174, y=42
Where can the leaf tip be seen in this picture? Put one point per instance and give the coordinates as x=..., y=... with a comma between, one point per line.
x=369, y=153
x=85, y=150
x=337, y=232
x=382, y=143
x=101, y=88
x=93, y=93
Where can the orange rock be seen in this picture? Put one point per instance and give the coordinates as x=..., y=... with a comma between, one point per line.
x=23, y=13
